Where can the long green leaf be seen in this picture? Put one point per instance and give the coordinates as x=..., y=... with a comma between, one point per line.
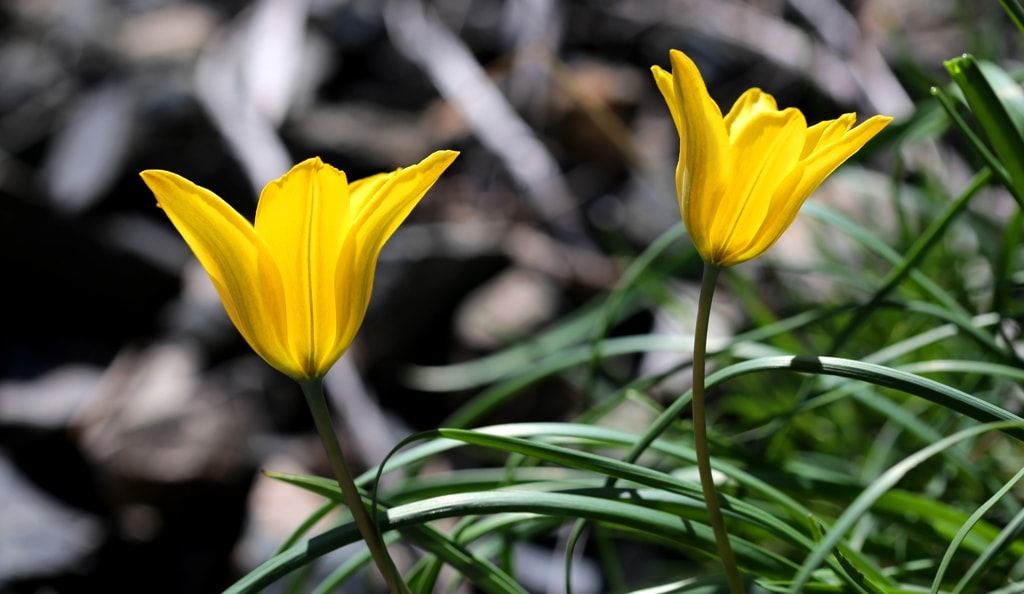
x=1016, y=12
x=984, y=562
x=651, y=523
x=880, y=486
x=879, y=375
x=986, y=89
x=968, y=525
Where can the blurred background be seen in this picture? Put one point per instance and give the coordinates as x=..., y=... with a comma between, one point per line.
x=134, y=420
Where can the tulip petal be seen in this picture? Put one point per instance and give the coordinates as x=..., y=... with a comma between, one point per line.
x=835, y=146
x=765, y=149
x=827, y=132
x=303, y=217
x=699, y=179
x=237, y=260
x=752, y=103
x=833, y=149
x=668, y=90
x=667, y=86
x=783, y=206
x=379, y=205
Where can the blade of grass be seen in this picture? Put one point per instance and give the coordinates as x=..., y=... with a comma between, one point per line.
x=880, y=486
x=1016, y=12
x=667, y=528
x=986, y=88
x=984, y=562
x=991, y=161
x=603, y=437
x=1006, y=263
x=879, y=248
x=913, y=256
x=971, y=522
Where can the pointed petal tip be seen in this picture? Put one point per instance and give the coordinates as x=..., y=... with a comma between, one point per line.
x=313, y=166
x=663, y=79
x=872, y=125
x=883, y=120
x=445, y=155
x=152, y=175
x=879, y=120
x=440, y=158
x=676, y=54
x=311, y=163
x=163, y=183
x=681, y=61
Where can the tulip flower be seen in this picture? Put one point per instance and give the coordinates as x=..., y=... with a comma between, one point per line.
x=297, y=283
x=740, y=181
x=742, y=178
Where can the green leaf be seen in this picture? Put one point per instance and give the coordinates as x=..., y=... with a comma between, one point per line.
x=667, y=528
x=880, y=487
x=1016, y=12
x=936, y=392
x=996, y=100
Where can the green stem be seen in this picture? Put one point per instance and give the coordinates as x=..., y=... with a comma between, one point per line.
x=700, y=430
x=314, y=392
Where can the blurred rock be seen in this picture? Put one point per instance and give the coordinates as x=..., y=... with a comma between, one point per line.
x=76, y=299
x=40, y=536
x=89, y=151
x=154, y=418
x=381, y=135
x=506, y=309
x=175, y=32
x=49, y=401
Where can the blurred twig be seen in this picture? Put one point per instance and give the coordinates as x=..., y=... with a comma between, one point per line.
x=464, y=83
x=604, y=118
x=232, y=107
x=843, y=78
x=842, y=33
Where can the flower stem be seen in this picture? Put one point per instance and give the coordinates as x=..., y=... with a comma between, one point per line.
x=700, y=430
x=313, y=389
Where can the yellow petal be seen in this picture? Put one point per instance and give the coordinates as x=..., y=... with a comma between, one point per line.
x=303, y=217
x=752, y=103
x=765, y=149
x=668, y=90
x=827, y=132
x=835, y=146
x=833, y=149
x=379, y=205
x=236, y=259
x=699, y=179
x=783, y=205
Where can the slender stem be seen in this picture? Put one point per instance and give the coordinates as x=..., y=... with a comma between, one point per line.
x=700, y=430
x=314, y=392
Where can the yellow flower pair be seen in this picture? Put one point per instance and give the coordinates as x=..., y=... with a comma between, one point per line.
x=297, y=283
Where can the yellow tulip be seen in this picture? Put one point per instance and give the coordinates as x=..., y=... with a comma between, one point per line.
x=742, y=178
x=297, y=283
